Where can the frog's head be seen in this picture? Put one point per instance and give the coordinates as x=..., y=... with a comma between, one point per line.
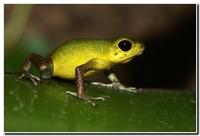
x=125, y=49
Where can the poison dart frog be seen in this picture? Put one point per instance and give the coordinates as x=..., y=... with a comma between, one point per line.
x=80, y=58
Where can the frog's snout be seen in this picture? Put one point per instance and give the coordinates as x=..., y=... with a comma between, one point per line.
x=142, y=47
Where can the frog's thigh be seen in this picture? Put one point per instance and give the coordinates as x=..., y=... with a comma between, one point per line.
x=45, y=66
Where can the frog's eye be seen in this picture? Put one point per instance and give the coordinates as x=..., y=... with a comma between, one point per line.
x=125, y=45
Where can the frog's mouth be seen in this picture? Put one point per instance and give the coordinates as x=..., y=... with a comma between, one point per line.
x=129, y=58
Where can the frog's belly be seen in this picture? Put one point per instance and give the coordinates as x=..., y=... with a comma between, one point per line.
x=65, y=65
x=68, y=72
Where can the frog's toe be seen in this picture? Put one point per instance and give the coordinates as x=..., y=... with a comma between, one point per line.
x=133, y=89
x=87, y=98
x=130, y=89
x=142, y=91
x=98, y=98
x=36, y=80
x=72, y=93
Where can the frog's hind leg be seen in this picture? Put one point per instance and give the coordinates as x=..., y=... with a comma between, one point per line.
x=44, y=65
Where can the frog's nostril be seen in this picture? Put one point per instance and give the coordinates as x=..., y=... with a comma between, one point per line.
x=141, y=46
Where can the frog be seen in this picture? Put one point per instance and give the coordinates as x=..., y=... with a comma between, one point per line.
x=77, y=59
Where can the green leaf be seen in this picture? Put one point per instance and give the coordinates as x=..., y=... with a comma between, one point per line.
x=47, y=108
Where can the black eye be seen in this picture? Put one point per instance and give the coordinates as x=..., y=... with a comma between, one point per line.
x=125, y=45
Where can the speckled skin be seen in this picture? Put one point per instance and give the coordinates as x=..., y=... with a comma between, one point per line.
x=79, y=58
x=101, y=54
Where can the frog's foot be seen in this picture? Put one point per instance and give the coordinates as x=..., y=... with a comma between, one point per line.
x=119, y=86
x=142, y=91
x=86, y=97
x=36, y=80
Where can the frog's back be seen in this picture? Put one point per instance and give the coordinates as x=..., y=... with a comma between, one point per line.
x=73, y=53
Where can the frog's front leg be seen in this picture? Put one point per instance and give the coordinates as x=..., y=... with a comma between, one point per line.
x=116, y=84
x=80, y=86
x=44, y=65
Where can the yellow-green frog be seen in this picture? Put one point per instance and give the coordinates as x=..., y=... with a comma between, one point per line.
x=79, y=58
